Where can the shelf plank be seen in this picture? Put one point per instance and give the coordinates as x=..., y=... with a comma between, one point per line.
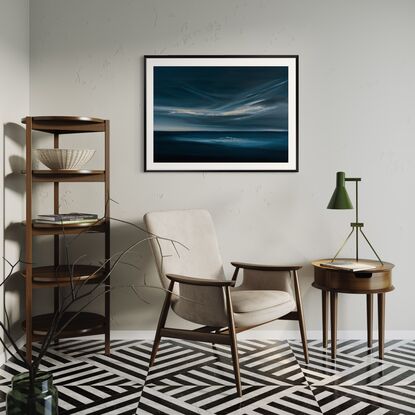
x=39, y=229
x=50, y=276
x=68, y=175
x=85, y=324
x=66, y=124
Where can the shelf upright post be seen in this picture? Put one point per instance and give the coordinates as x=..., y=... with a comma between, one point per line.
x=56, y=252
x=29, y=241
x=107, y=238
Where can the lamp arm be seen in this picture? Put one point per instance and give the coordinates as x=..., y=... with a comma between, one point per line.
x=373, y=249
x=343, y=244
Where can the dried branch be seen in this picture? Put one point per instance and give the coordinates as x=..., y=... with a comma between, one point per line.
x=109, y=265
x=136, y=292
x=13, y=343
x=123, y=253
x=75, y=262
x=175, y=248
x=150, y=233
x=11, y=272
x=76, y=314
x=7, y=348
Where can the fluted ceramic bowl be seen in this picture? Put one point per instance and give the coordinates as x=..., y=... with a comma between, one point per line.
x=64, y=159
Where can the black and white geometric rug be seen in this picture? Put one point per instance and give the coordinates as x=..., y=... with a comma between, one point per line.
x=197, y=378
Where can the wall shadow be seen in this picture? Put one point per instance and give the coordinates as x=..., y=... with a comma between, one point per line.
x=13, y=203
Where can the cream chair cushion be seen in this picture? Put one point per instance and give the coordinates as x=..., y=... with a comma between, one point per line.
x=257, y=307
x=264, y=315
x=250, y=307
x=248, y=301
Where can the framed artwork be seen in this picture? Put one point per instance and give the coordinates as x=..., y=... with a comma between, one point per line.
x=221, y=113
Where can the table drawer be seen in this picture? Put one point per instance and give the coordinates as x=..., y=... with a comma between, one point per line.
x=352, y=282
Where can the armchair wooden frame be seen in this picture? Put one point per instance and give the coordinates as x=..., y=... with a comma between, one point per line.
x=225, y=335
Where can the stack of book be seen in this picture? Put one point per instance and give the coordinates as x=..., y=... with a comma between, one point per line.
x=67, y=219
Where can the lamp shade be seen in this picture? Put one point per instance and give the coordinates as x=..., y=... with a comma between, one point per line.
x=340, y=198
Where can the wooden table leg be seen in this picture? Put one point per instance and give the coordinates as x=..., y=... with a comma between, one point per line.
x=333, y=322
x=381, y=323
x=324, y=295
x=369, y=311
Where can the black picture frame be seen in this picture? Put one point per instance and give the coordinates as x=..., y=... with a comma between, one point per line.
x=173, y=140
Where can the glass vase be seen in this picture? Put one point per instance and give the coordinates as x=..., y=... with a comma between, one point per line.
x=40, y=399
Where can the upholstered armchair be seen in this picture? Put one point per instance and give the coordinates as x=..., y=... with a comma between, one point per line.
x=197, y=290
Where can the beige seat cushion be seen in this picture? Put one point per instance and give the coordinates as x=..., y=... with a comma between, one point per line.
x=248, y=301
x=263, y=316
x=254, y=307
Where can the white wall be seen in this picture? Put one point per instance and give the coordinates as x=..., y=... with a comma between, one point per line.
x=14, y=104
x=357, y=89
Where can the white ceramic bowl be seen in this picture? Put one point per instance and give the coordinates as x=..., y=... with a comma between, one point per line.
x=64, y=159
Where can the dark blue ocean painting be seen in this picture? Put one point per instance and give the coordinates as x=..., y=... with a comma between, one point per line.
x=220, y=146
x=220, y=114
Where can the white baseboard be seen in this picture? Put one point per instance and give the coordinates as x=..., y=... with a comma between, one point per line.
x=278, y=334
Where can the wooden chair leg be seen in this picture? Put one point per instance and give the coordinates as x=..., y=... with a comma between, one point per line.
x=161, y=323
x=233, y=342
x=156, y=344
x=301, y=316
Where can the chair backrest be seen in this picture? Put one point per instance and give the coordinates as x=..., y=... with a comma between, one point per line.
x=196, y=252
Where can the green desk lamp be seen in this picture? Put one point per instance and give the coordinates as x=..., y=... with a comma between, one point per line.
x=341, y=200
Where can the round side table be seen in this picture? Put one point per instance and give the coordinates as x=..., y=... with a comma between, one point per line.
x=374, y=281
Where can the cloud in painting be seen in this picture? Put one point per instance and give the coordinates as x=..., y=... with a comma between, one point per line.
x=220, y=98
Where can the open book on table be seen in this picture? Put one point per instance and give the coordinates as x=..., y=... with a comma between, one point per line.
x=348, y=265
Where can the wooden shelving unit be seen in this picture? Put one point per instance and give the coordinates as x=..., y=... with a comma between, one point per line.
x=57, y=275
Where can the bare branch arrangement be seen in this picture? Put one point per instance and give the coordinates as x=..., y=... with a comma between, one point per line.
x=76, y=294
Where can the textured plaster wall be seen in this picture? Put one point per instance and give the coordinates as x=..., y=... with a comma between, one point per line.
x=14, y=103
x=357, y=89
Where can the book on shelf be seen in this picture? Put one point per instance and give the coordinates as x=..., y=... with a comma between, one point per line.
x=348, y=265
x=67, y=217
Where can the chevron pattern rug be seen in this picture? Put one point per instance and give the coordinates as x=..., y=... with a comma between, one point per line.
x=197, y=378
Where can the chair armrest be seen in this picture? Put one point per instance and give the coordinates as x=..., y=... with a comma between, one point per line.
x=258, y=267
x=211, y=282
